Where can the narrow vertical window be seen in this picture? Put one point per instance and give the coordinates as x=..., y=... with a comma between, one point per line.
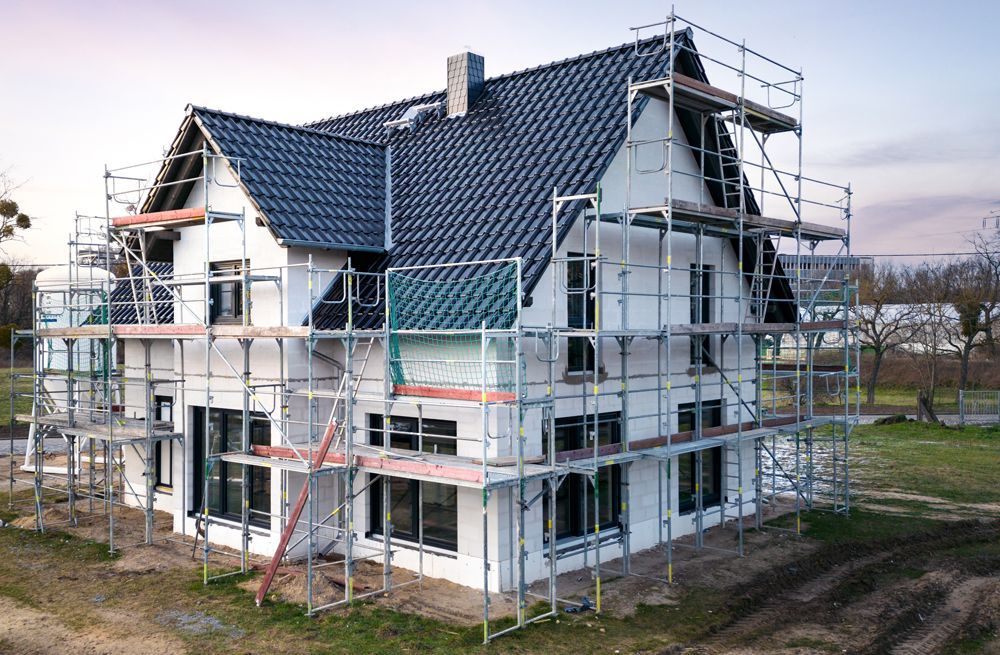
x=580, y=313
x=701, y=312
x=163, y=451
x=227, y=292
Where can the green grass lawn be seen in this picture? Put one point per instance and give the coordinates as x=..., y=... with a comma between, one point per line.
x=961, y=465
x=946, y=399
x=22, y=404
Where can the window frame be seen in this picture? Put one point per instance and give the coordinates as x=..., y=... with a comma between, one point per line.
x=408, y=439
x=235, y=288
x=164, y=477
x=581, y=312
x=712, y=409
x=578, y=486
x=701, y=312
x=712, y=472
x=260, y=476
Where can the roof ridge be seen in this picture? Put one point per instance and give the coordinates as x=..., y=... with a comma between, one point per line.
x=301, y=128
x=552, y=64
x=366, y=110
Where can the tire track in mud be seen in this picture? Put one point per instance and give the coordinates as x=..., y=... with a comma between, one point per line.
x=776, y=598
x=944, y=623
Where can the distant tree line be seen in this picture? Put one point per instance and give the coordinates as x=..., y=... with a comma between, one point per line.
x=932, y=312
x=16, y=280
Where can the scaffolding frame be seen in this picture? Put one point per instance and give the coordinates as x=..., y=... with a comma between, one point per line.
x=780, y=428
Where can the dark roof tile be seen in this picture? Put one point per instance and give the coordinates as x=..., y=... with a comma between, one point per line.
x=480, y=186
x=311, y=185
x=127, y=298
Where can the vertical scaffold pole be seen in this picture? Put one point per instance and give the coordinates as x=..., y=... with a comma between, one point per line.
x=209, y=463
x=740, y=313
x=348, y=401
x=485, y=483
x=598, y=351
x=150, y=444
x=665, y=327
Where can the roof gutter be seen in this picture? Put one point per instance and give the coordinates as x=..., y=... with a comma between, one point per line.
x=326, y=245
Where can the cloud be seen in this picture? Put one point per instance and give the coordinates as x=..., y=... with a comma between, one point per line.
x=929, y=148
x=934, y=223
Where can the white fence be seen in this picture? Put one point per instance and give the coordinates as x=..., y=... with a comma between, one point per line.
x=978, y=407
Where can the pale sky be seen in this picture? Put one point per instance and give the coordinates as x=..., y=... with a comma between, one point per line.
x=900, y=98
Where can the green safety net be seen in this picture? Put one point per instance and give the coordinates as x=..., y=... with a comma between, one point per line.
x=436, y=318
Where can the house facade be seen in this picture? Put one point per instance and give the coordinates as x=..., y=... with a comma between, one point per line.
x=488, y=334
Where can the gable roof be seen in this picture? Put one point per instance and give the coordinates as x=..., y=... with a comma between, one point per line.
x=311, y=188
x=460, y=189
x=480, y=186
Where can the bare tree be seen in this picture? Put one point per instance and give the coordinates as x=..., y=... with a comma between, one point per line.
x=987, y=247
x=887, y=316
x=12, y=219
x=928, y=343
x=972, y=291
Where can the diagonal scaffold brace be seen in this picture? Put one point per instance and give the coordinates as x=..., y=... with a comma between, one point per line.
x=293, y=518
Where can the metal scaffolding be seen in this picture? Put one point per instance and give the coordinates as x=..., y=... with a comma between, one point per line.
x=764, y=340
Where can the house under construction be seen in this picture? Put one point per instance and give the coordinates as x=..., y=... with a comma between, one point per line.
x=529, y=324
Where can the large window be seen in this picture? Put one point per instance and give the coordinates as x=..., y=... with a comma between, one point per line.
x=711, y=415
x=580, y=306
x=225, y=478
x=163, y=453
x=227, y=296
x=439, y=505
x=575, y=497
x=701, y=312
x=711, y=479
x=688, y=420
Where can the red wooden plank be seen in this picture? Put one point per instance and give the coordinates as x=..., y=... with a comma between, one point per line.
x=159, y=218
x=293, y=518
x=388, y=465
x=451, y=394
x=422, y=468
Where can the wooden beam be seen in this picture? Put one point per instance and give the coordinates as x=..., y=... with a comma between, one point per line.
x=169, y=217
x=388, y=464
x=769, y=119
x=474, y=395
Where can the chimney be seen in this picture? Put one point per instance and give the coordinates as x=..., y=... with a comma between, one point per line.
x=466, y=79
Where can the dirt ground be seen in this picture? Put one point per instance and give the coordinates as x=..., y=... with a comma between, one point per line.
x=787, y=595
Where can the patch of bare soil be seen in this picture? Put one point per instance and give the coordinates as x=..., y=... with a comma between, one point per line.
x=900, y=596
x=716, y=566
x=54, y=515
x=432, y=598
x=787, y=595
x=28, y=631
x=939, y=627
x=956, y=510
